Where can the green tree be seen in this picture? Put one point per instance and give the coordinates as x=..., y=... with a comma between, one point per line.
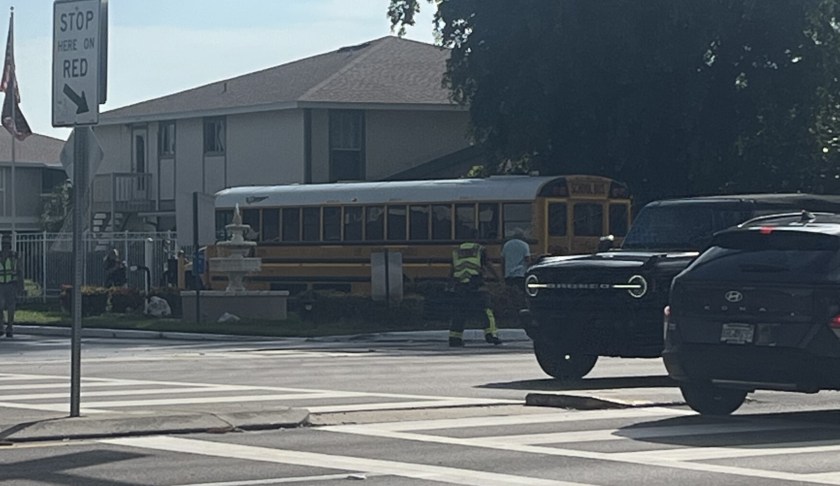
x=675, y=97
x=56, y=207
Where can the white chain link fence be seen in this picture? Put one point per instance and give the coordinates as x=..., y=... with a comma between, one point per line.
x=47, y=258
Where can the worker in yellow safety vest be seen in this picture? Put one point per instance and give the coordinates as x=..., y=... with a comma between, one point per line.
x=11, y=284
x=469, y=262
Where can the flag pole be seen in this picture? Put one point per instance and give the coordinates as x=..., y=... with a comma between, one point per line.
x=14, y=117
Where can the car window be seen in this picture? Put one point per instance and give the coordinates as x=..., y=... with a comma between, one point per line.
x=680, y=227
x=766, y=265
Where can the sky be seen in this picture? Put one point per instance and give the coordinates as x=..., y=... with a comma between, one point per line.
x=160, y=47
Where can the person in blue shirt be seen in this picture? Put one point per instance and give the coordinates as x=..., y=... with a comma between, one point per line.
x=516, y=255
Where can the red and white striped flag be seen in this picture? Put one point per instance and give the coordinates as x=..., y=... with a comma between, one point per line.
x=11, y=115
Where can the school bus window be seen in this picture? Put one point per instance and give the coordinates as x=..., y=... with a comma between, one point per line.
x=418, y=223
x=270, y=225
x=395, y=223
x=291, y=224
x=516, y=216
x=588, y=220
x=488, y=221
x=332, y=223
x=251, y=217
x=353, y=223
x=464, y=221
x=223, y=218
x=441, y=222
x=374, y=223
x=557, y=219
x=311, y=224
x=619, y=219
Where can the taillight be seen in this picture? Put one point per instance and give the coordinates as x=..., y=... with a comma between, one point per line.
x=834, y=324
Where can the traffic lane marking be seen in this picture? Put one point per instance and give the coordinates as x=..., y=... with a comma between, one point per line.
x=444, y=474
x=667, y=458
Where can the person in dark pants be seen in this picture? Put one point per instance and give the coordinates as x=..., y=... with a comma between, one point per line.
x=114, y=270
x=11, y=284
x=469, y=262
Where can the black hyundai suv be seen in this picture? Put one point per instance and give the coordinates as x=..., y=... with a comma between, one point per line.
x=760, y=309
x=610, y=303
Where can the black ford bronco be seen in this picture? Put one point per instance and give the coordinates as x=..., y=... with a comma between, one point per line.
x=610, y=303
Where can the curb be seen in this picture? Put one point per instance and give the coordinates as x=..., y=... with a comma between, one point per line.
x=135, y=334
x=593, y=402
x=506, y=334
x=99, y=427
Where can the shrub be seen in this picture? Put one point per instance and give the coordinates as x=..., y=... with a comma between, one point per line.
x=124, y=299
x=94, y=300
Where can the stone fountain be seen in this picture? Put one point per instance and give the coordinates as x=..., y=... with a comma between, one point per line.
x=235, y=300
x=236, y=265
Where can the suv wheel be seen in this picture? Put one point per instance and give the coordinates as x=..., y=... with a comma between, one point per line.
x=560, y=365
x=712, y=400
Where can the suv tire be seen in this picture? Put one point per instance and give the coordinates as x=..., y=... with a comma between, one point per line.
x=562, y=366
x=707, y=399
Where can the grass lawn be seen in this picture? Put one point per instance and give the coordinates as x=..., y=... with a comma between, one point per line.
x=294, y=326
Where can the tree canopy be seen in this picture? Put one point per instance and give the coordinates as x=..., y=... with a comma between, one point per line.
x=674, y=97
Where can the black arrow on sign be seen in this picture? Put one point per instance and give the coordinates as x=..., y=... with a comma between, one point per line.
x=80, y=101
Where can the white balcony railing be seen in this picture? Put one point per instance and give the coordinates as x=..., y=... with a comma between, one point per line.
x=122, y=192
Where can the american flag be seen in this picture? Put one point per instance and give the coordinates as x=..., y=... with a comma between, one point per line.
x=11, y=115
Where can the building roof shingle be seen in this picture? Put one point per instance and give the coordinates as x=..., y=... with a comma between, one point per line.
x=387, y=71
x=35, y=149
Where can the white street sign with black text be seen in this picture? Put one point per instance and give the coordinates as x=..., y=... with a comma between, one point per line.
x=79, y=45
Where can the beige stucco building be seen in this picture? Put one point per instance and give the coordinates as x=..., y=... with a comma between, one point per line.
x=374, y=111
x=37, y=171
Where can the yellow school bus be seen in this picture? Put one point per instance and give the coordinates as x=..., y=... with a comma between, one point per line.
x=318, y=236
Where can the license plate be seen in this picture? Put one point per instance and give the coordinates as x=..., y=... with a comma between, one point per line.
x=737, y=333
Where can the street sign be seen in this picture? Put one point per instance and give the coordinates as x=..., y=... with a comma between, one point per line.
x=93, y=158
x=79, y=61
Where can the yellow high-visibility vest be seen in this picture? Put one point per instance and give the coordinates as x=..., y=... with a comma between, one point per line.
x=466, y=262
x=8, y=271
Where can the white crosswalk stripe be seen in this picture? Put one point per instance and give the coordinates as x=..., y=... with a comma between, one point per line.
x=572, y=443
x=103, y=395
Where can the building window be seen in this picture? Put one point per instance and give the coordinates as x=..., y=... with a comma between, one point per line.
x=166, y=139
x=214, y=136
x=346, y=145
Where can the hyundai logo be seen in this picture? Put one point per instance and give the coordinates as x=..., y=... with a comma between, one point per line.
x=733, y=296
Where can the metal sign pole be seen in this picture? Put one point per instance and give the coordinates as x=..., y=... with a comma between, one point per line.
x=196, y=253
x=80, y=165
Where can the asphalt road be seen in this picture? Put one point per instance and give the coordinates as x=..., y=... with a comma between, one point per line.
x=393, y=411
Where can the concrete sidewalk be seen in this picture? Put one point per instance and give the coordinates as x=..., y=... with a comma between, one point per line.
x=53, y=426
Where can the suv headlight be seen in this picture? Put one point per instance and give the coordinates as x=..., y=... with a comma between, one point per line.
x=532, y=285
